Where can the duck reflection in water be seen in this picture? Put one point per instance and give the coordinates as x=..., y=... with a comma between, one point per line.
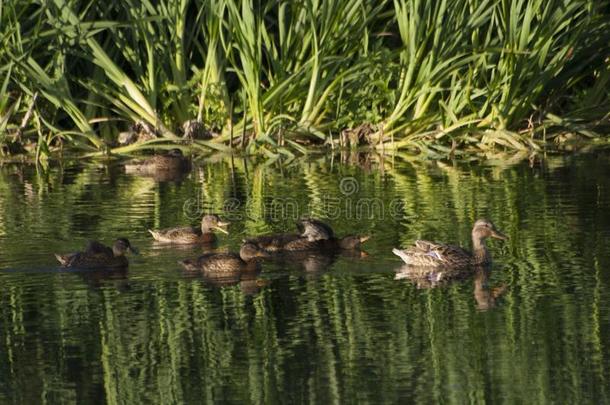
x=98, y=279
x=484, y=296
x=249, y=282
x=315, y=262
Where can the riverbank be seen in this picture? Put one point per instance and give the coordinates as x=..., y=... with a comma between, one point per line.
x=286, y=78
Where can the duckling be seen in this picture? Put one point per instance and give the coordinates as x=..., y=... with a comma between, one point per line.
x=431, y=254
x=98, y=255
x=226, y=263
x=189, y=235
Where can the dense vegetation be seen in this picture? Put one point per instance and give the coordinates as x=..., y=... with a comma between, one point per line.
x=282, y=76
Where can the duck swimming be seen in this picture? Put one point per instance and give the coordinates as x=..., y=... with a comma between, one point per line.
x=98, y=255
x=315, y=235
x=226, y=263
x=189, y=235
x=432, y=254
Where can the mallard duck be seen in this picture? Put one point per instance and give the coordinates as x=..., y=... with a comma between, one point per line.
x=226, y=263
x=432, y=254
x=98, y=255
x=276, y=242
x=172, y=161
x=315, y=235
x=317, y=231
x=190, y=235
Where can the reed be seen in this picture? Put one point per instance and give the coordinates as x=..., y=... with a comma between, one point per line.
x=429, y=76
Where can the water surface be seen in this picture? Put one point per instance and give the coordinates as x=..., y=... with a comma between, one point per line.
x=324, y=330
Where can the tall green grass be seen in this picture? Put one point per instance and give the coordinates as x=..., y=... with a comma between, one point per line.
x=288, y=75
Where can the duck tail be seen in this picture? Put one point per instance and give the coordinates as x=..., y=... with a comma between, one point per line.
x=62, y=259
x=402, y=254
x=155, y=234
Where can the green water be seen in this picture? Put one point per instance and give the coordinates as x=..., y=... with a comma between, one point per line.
x=318, y=329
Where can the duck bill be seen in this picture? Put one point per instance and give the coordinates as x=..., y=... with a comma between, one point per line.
x=221, y=227
x=498, y=235
x=364, y=238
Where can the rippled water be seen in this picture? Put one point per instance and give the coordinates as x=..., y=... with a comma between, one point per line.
x=317, y=329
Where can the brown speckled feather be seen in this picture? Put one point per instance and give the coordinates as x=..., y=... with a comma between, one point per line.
x=182, y=235
x=96, y=255
x=426, y=253
x=274, y=243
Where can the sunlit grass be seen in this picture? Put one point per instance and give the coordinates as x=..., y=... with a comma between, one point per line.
x=428, y=76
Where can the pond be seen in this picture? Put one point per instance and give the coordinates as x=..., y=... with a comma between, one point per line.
x=340, y=329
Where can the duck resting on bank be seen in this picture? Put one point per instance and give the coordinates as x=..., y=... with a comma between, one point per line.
x=432, y=254
x=189, y=235
x=226, y=263
x=98, y=255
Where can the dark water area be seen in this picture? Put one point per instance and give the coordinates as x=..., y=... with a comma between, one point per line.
x=340, y=329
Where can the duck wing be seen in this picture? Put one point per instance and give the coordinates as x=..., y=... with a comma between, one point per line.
x=95, y=247
x=427, y=253
x=220, y=263
x=274, y=243
x=92, y=259
x=181, y=234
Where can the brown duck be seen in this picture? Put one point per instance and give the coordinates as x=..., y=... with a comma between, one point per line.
x=98, y=255
x=185, y=235
x=226, y=263
x=432, y=254
x=315, y=235
x=321, y=233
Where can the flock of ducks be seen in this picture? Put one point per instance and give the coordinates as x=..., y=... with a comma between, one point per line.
x=424, y=259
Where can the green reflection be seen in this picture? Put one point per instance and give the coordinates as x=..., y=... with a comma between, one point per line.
x=339, y=330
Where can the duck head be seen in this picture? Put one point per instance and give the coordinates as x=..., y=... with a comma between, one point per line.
x=484, y=229
x=213, y=222
x=122, y=246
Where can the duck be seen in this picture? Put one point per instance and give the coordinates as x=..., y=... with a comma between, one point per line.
x=279, y=242
x=314, y=235
x=321, y=233
x=226, y=264
x=186, y=235
x=428, y=254
x=173, y=161
x=307, y=239
x=98, y=255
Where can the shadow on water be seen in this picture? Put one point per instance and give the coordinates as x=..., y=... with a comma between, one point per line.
x=309, y=328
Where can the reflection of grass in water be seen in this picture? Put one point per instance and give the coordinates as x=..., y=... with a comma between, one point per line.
x=334, y=337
